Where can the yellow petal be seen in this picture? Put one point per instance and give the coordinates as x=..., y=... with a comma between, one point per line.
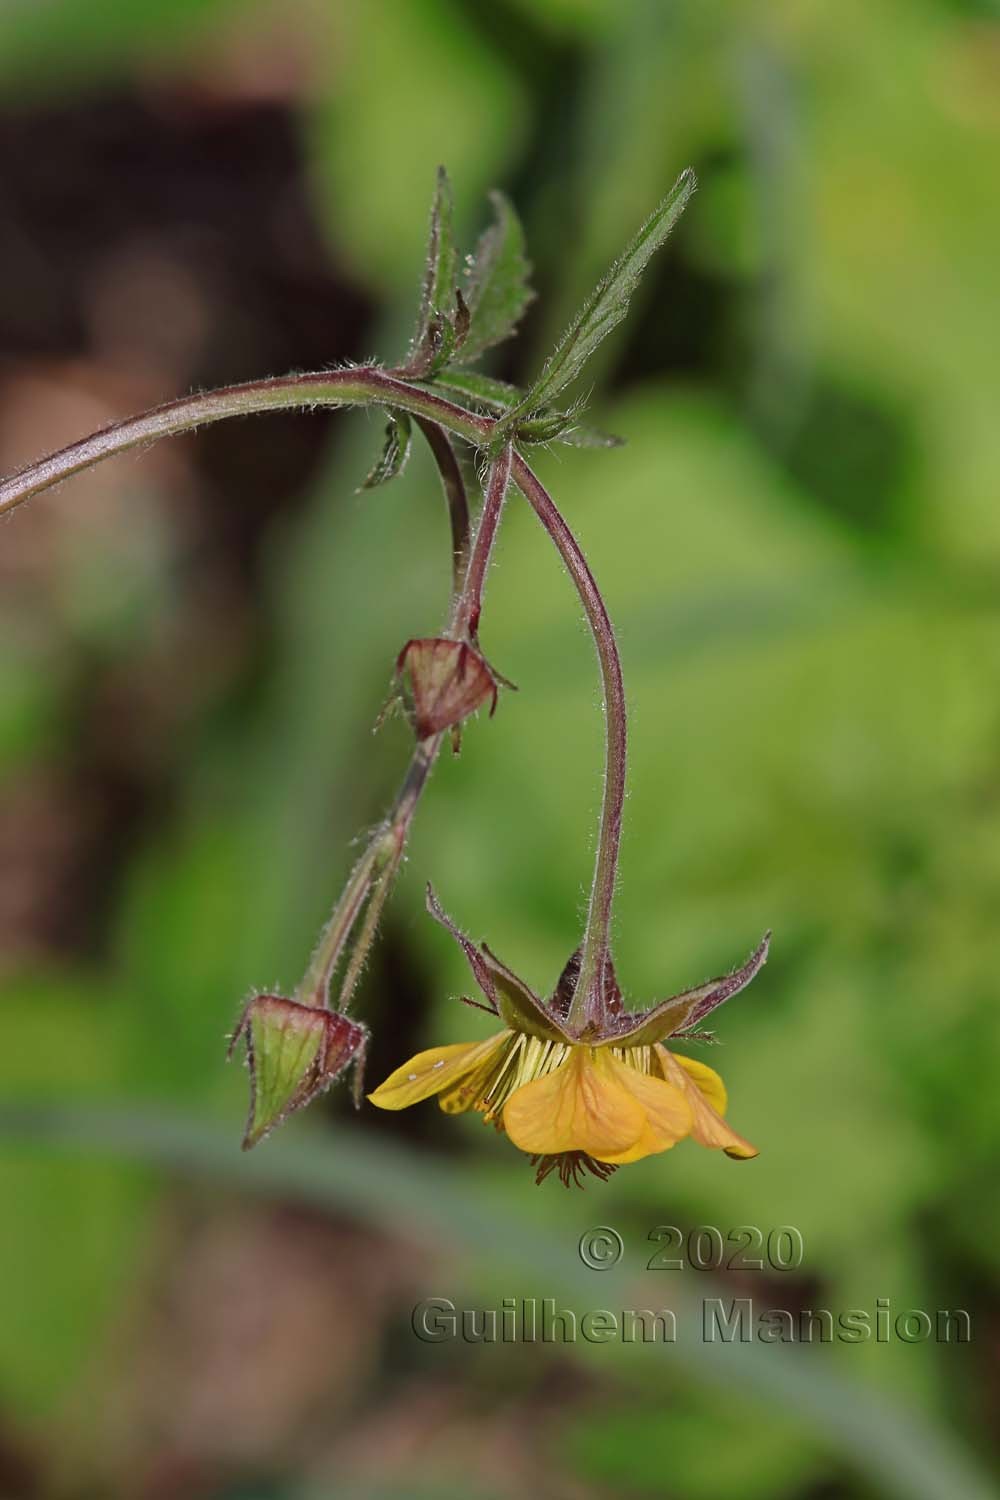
x=432, y=1071
x=668, y=1114
x=707, y=1081
x=579, y=1106
x=468, y=1090
x=703, y=1085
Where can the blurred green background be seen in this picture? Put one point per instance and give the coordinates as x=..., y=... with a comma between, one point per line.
x=801, y=546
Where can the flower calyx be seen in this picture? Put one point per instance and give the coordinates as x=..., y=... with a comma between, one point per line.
x=441, y=682
x=607, y=1020
x=294, y=1052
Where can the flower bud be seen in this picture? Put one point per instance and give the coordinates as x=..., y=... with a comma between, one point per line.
x=442, y=682
x=294, y=1053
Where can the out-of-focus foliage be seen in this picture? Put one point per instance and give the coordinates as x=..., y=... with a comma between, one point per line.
x=74, y=41
x=799, y=544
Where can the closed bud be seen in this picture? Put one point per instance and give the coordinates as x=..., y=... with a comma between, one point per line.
x=294, y=1053
x=442, y=682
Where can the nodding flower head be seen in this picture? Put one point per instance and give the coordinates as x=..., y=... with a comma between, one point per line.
x=586, y=1100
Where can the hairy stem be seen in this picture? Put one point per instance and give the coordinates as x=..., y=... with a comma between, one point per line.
x=390, y=839
x=373, y=875
x=588, y=997
x=469, y=603
x=314, y=987
x=364, y=386
x=371, y=385
x=454, y=492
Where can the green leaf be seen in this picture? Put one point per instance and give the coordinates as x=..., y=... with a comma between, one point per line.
x=395, y=451
x=551, y=426
x=579, y=435
x=493, y=395
x=435, y=338
x=442, y=257
x=608, y=302
x=497, y=290
x=498, y=397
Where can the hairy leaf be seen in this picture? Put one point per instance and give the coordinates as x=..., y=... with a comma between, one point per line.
x=550, y=426
x=608, y=302
x=497, y=290
x=579, y=435
x=395, y=451
x=498, y=397
x=435, y=338
x=493, y=395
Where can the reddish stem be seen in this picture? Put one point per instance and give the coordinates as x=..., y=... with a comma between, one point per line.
x=589, y=996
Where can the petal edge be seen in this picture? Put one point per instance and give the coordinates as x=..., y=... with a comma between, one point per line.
x=709, y=1128
x=579, y=1106
x=432, y=1071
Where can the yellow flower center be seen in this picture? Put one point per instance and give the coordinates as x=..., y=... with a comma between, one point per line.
x=524, y=1059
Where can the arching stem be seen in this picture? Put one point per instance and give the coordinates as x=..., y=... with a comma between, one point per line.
x=365, y=385
x=370, y=385
x=590, y=994
x=372, y=877
x=454, y=493
x=469, y=603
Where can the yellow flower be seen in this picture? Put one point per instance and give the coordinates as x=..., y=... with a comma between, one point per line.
x=573, y=1106
x=576, y=1103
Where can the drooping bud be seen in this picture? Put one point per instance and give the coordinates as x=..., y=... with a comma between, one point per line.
x=442, y=682
x=294, y=1053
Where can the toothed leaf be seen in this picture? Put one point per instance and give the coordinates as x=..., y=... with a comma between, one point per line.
x=497, y=397
x=608, y=302
x=497, y=290
x=435, y=337
x=564, y=427
x=493, y=395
